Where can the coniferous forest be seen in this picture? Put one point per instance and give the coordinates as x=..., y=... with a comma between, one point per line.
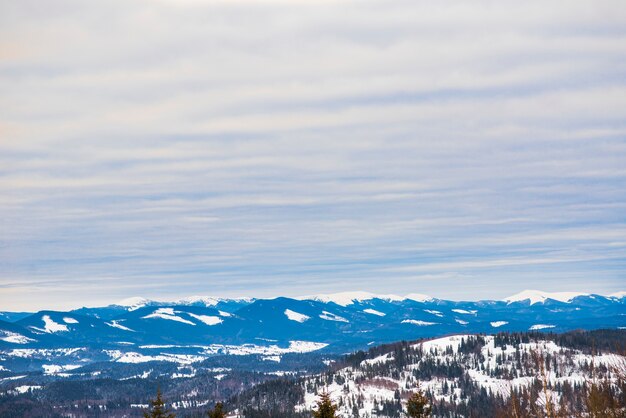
x=546, y=375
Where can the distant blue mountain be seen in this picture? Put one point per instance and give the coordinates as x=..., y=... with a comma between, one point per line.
x=337, y=323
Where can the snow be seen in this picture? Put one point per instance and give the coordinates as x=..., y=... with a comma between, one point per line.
x=133, y=357
x=115, y=324
x=69, y=320
x=209, y=301
x=418, y=322
x=207, y=319
x=349, y=298
x=144, y=375
x=13, y=378
x=540, y=326
x=418, y=297
x=41, y=352
x=267, y=350
x=332, y=317
x=14, y=338
x=50, y=326
x=380, y=359
x=205, y=351
x=497, y=324
x=225, y=314
x=436, y=313
x=373, y=312
x=537, y=296
x=25, y=389
x=464, y=312
x=295, y=316
x=440, y=344
x=460, y=321
x=133, y=303
x=357, y=383
x=55, y=369
x=167, y=313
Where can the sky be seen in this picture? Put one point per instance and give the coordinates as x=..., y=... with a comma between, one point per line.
x=461, y=149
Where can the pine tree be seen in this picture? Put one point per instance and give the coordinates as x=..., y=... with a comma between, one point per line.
x=417, y=406
x=158, y=408
x=325, y=407
x=217, y=412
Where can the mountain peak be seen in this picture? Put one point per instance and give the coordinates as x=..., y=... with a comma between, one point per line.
x=418, y=297
x=348, y=298
x=538, y=296
x=133, y=303
x=208, y=301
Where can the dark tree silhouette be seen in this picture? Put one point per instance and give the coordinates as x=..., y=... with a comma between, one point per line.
x=325, y=407
x=158, y=408
x=417, y=406
x=217, y=412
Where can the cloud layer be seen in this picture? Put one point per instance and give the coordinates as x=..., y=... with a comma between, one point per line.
x=168, y=148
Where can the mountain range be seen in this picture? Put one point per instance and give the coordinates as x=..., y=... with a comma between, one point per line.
x=139, y=330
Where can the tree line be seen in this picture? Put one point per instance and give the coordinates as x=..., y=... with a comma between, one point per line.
x=418, y=406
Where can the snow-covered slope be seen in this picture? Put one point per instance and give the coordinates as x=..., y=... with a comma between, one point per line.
x=446, y=368
x=537, y=296
x=339, y=323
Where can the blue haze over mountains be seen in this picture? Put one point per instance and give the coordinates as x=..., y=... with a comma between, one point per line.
x=342, y=326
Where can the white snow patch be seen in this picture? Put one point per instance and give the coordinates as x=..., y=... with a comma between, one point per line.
x=295, y=316
x=332, y=317
x=144, y=375
x=207, y=319
x=464, y=312
x=51, y=326
x=540, y=326
x=373, y=312
x=69, y=320
x=460, y=321
x=55, y=369
x=225, y=314
x=209, y=301
x=133, y=303
x=537, y=296
x=436, y=313
x=132, y=357
x=115, y=324
x=14, y=338
x=497, y=324
x=418, y=322
x=440, y=344
x=349, y=298
x=24, y=389
x=418, y=297
x=167, y=313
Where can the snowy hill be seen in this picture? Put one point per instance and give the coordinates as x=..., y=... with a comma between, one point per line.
x=201, y=327
x=464, y=374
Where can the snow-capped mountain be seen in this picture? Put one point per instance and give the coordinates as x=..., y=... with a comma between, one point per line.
x=537, y=296
x=143, y=330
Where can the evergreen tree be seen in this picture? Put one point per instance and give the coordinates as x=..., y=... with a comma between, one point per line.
x=217, y=412
x=325, y=407
x=417, y=406
x=158, y=408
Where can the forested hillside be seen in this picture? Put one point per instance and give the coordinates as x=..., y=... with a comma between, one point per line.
x=507, y=374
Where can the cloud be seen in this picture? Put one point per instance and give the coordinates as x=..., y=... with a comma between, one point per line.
x=273, y=147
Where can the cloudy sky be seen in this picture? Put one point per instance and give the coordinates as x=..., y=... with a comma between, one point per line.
x=462, y=149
